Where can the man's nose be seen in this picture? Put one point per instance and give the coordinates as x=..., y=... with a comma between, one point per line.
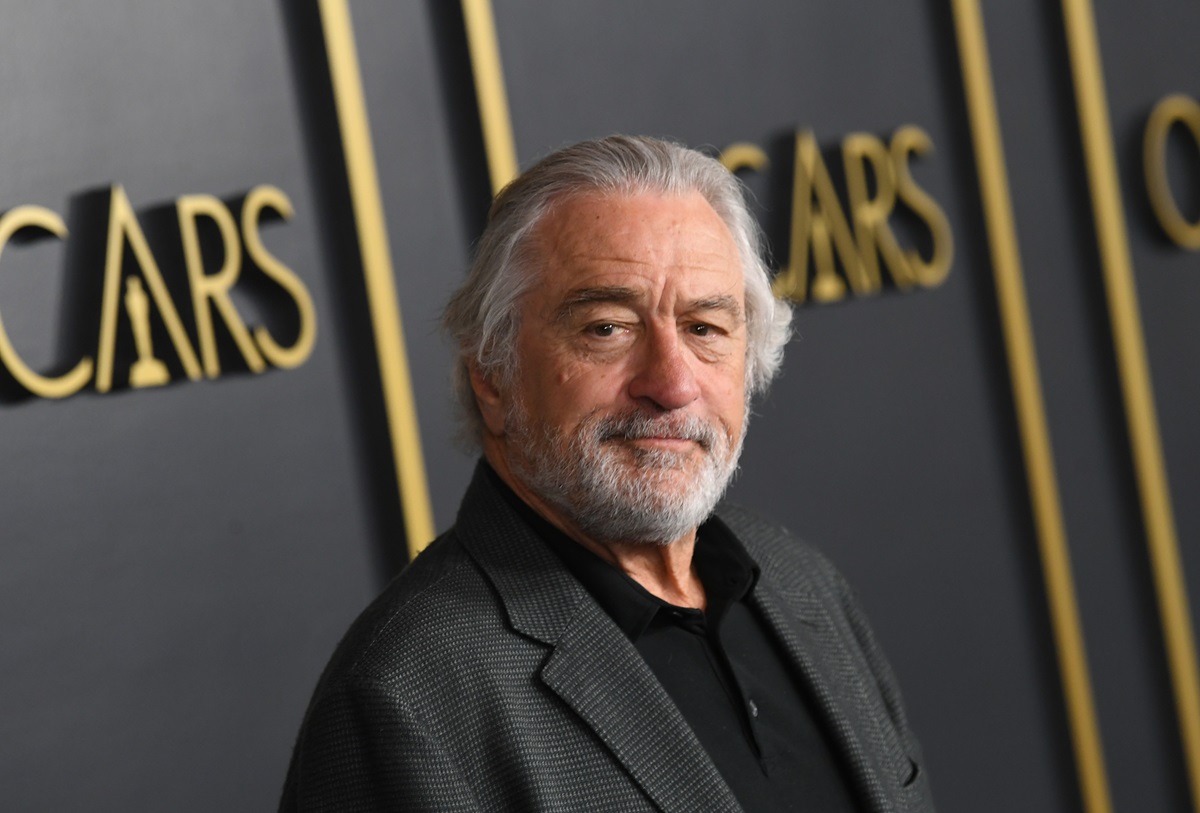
x=664, y=374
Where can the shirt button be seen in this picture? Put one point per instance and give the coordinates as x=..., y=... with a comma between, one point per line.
x=753, y=709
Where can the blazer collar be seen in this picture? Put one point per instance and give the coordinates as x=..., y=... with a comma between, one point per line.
x=538, y=594
x=592, y=667
x=799, y=614
x=837, y=690
x=599, y=674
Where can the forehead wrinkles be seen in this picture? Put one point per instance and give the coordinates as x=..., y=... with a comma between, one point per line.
x=671, y=253
x=635, y=230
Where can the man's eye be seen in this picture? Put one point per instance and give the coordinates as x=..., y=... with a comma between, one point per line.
x=604, y=330
x=702, y=330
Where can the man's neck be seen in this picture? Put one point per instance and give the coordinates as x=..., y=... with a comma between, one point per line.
x=664, y=570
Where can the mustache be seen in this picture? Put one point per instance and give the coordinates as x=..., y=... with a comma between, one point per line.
x=638, y=425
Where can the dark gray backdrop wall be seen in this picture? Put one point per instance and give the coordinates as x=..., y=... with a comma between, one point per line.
x=178, y=562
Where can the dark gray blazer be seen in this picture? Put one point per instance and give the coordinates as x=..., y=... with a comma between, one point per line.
x=487, y=678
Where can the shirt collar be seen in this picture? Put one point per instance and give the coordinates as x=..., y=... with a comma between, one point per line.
x=725, y=569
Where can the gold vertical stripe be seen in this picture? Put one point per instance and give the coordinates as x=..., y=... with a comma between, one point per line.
x=1153, y=488
x=1031, y=415
x=377, y=268
x=489, y=90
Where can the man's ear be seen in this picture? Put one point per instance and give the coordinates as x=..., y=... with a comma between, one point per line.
x=488, y=397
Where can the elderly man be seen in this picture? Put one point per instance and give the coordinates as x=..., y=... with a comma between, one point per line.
x=590, y=635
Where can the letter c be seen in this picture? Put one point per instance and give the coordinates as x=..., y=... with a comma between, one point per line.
x=12, y=221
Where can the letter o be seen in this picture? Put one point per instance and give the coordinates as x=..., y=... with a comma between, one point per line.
x=1184, y=110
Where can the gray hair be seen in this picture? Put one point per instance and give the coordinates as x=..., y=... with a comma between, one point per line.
x=483, y=316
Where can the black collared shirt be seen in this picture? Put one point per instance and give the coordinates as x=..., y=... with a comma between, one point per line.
x=723, y=669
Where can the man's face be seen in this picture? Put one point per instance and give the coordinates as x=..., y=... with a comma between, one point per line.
x=627, y=408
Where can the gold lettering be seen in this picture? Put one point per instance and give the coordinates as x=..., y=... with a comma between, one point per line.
x=123, y=227
x=871, y=214
x=907, y=141
x=260, y=198
x=792, y=281
x=148, y=370
x=814, y=200
x=211, y=291
x=1181, y=109
x=845, y=251
x=828, y=210
x=742, y=155
x=38, y=217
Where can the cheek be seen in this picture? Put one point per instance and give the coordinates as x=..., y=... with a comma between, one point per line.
x=574, y=377
x=735, y=412
x=580, y=390
x=729, y=395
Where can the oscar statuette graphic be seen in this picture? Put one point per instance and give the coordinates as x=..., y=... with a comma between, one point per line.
x=147, y=371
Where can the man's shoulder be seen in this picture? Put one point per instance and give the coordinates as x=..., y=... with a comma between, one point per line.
x=425, y=606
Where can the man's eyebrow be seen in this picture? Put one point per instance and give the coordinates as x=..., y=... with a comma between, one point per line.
x=612, y=294
x=724, y=302
x=619, y=295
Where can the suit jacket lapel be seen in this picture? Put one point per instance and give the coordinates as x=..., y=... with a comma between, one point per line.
x=823, y=665
x=593, y=667
x=601, y=676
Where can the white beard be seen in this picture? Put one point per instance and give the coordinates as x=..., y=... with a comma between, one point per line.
x=614, y=492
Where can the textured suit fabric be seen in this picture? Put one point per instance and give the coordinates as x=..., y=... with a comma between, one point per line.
x=486, y=678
